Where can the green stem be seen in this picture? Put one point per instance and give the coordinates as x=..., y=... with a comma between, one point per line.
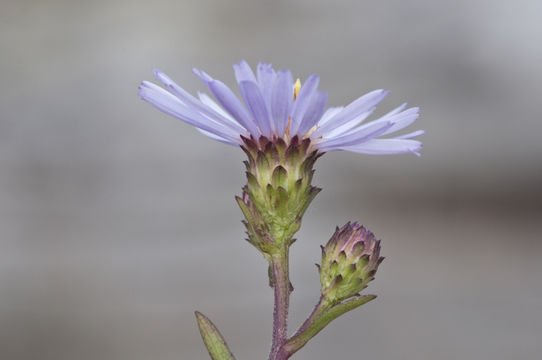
x=318, y=322
x=281, y=281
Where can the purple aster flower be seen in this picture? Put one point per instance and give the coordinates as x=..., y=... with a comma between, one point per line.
x=276, y=107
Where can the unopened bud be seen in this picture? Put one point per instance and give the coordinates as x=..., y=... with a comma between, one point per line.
x=349, y=262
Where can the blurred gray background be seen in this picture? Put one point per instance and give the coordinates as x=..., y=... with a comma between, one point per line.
x=117, y=221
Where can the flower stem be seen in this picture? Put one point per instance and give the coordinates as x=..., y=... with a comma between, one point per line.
x=321, y=307
x=284, y=352
x=281, y=281
x=311, y=328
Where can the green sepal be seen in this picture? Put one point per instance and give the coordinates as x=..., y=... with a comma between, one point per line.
x=279, y=190
x=252, y=181
x=261, y=160
x=269, y=193
x=363, y=261
x=215, y=343
x=279, y=177
x=244, y=207
x=281, y=200
x=308, y=199
x=257, y=228
x=292, y=156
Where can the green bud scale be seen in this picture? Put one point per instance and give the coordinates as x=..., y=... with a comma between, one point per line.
x=349, y=262
x=278, y=190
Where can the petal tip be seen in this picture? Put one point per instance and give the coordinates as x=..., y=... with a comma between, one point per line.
x=206, y=78
x=416, y=150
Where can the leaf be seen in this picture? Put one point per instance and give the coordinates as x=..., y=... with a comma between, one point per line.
x=298, y=341
x=218, y=350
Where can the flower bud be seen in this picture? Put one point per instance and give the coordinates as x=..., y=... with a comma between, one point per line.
x=349, y=262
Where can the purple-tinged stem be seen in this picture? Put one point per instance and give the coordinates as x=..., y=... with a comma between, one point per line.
x=281, y=281
x=320, y=321
x=318, y=309
x=321, y=307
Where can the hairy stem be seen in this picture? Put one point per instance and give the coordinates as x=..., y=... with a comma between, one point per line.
x=281, y=280
x=321, y=307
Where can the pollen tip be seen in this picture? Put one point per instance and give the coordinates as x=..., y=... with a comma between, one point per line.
x=297, y=87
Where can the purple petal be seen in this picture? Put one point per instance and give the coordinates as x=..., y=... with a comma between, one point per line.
x=243, y=72
x=191, y=101
x=270, y=109
x=233, y=105
x=354, y=109
x=256, y=104
x=216, y=137
x=171, y=105
x=266, y=79
x=229, y=101
x=349, y=126
x=206, y=99
x=281, y=101
x=386, y=146
x=302, y=102
x=362, y=134
x=397, y=109
x=330, y=113
x=202, y=75
x=314, y=113
x=411, y=135
x=403, y=119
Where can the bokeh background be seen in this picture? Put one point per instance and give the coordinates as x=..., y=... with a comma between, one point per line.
x=117, y=221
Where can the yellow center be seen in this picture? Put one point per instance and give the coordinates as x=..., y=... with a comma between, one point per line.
x=297, y=87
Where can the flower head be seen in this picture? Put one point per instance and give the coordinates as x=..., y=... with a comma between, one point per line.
x=276, y=107
x=349, y=262
x=283, y=127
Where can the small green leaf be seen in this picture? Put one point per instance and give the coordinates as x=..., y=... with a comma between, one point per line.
x=298, y=341
x=218, y=350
